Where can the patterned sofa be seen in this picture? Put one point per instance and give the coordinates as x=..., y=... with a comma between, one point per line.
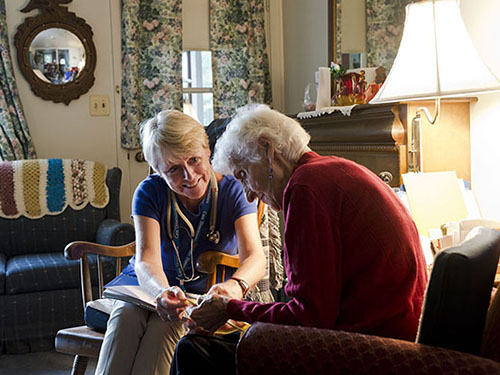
x=44, y=205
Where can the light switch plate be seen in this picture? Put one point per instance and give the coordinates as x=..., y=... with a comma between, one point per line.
x=99, y=105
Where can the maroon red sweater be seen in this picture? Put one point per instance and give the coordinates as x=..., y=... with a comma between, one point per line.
x=352, y=254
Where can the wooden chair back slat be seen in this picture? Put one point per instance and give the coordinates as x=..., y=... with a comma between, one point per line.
x=118, y=266
x=100, y=276
x=209, y=260
x=85, y=280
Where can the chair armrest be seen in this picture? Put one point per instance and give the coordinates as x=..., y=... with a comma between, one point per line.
x=113, y=232
x=272, y=349
x=209, y=260
x=76, y=250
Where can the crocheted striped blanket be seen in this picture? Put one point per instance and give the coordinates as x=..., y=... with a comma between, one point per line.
x=34, y=188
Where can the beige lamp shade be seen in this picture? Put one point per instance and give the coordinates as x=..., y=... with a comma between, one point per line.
x=436, y=57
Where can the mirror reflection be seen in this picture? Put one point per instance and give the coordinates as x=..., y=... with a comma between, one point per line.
x=351, y=35
x=57, y=56
x=367, y=32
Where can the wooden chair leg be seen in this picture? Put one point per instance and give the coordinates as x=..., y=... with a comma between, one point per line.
x=79, y=365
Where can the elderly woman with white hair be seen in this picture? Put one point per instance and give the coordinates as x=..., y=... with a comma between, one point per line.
x=179, y=212
x=352, y=252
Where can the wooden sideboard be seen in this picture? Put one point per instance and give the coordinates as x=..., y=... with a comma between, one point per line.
x=377, y=136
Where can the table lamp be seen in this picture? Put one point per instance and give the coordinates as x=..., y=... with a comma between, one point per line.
x=436, y=59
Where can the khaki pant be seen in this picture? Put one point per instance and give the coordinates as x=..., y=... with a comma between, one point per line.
x=137, y=341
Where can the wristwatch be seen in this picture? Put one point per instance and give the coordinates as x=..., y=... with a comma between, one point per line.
x=243, y=284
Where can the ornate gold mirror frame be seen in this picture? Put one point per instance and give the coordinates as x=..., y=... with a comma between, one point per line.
x=54, y=16
x=332, y=38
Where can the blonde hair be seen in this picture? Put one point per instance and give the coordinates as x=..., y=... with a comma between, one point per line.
x=171, y=132
x=239, y=141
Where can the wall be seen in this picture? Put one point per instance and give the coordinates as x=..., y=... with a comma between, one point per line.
x=68, y=131
x=305, y=25
x=481, y=20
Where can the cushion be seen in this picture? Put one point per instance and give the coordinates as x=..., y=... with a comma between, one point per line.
x=3, y=262
x=97, y=313
x=49, y=233
x=459, y=292
x=465, y=226
x=49, y=271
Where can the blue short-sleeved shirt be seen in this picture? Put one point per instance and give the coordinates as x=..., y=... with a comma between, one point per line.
x=151, y=200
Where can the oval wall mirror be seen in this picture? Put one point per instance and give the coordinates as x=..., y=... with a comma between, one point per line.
x=57, y=56
x=55, y=52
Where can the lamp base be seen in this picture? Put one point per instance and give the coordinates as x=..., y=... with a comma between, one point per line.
x=415, y=149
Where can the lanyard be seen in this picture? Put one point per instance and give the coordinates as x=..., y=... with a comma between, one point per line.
x=174, y=209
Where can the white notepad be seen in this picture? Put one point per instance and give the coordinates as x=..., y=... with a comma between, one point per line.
x=435, y=198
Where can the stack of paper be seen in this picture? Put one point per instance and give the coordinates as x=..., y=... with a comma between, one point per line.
x=126, y=288
x=131, y=293
x=434, y=198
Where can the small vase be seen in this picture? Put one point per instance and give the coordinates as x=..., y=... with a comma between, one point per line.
x=310, y=94
x=350, y=89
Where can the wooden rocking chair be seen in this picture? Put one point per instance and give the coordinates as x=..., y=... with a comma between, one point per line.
x=83, y=342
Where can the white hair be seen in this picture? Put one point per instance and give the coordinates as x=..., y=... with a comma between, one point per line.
x=240, y=140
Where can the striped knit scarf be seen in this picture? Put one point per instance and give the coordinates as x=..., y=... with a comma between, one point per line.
x=271, y=244
x=34, y=188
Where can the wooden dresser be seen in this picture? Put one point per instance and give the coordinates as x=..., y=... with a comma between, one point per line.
x=377, y=136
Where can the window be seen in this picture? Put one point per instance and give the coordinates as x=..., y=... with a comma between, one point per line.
x=197, y=85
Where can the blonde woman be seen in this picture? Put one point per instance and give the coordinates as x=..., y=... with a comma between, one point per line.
x=173, y=212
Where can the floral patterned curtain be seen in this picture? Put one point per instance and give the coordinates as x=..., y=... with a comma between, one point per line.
x=385, y=23
x=15, y=139
x=239, y=55
x=151, y=63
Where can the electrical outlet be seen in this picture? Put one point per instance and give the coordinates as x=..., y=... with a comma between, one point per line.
x=99, y=105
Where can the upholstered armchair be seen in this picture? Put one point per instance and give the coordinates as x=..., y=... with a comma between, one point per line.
x=458, y=333
x=44, y=205
x=272, y=349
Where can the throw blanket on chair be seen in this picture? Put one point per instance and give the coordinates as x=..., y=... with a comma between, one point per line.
x=34, y=188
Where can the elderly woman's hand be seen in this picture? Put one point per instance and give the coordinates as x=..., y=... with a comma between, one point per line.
x=171, y=304
x=210, y=313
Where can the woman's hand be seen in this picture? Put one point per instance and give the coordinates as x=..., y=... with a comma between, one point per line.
x=210, y=313
x=171, y=304
x=230, y=289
